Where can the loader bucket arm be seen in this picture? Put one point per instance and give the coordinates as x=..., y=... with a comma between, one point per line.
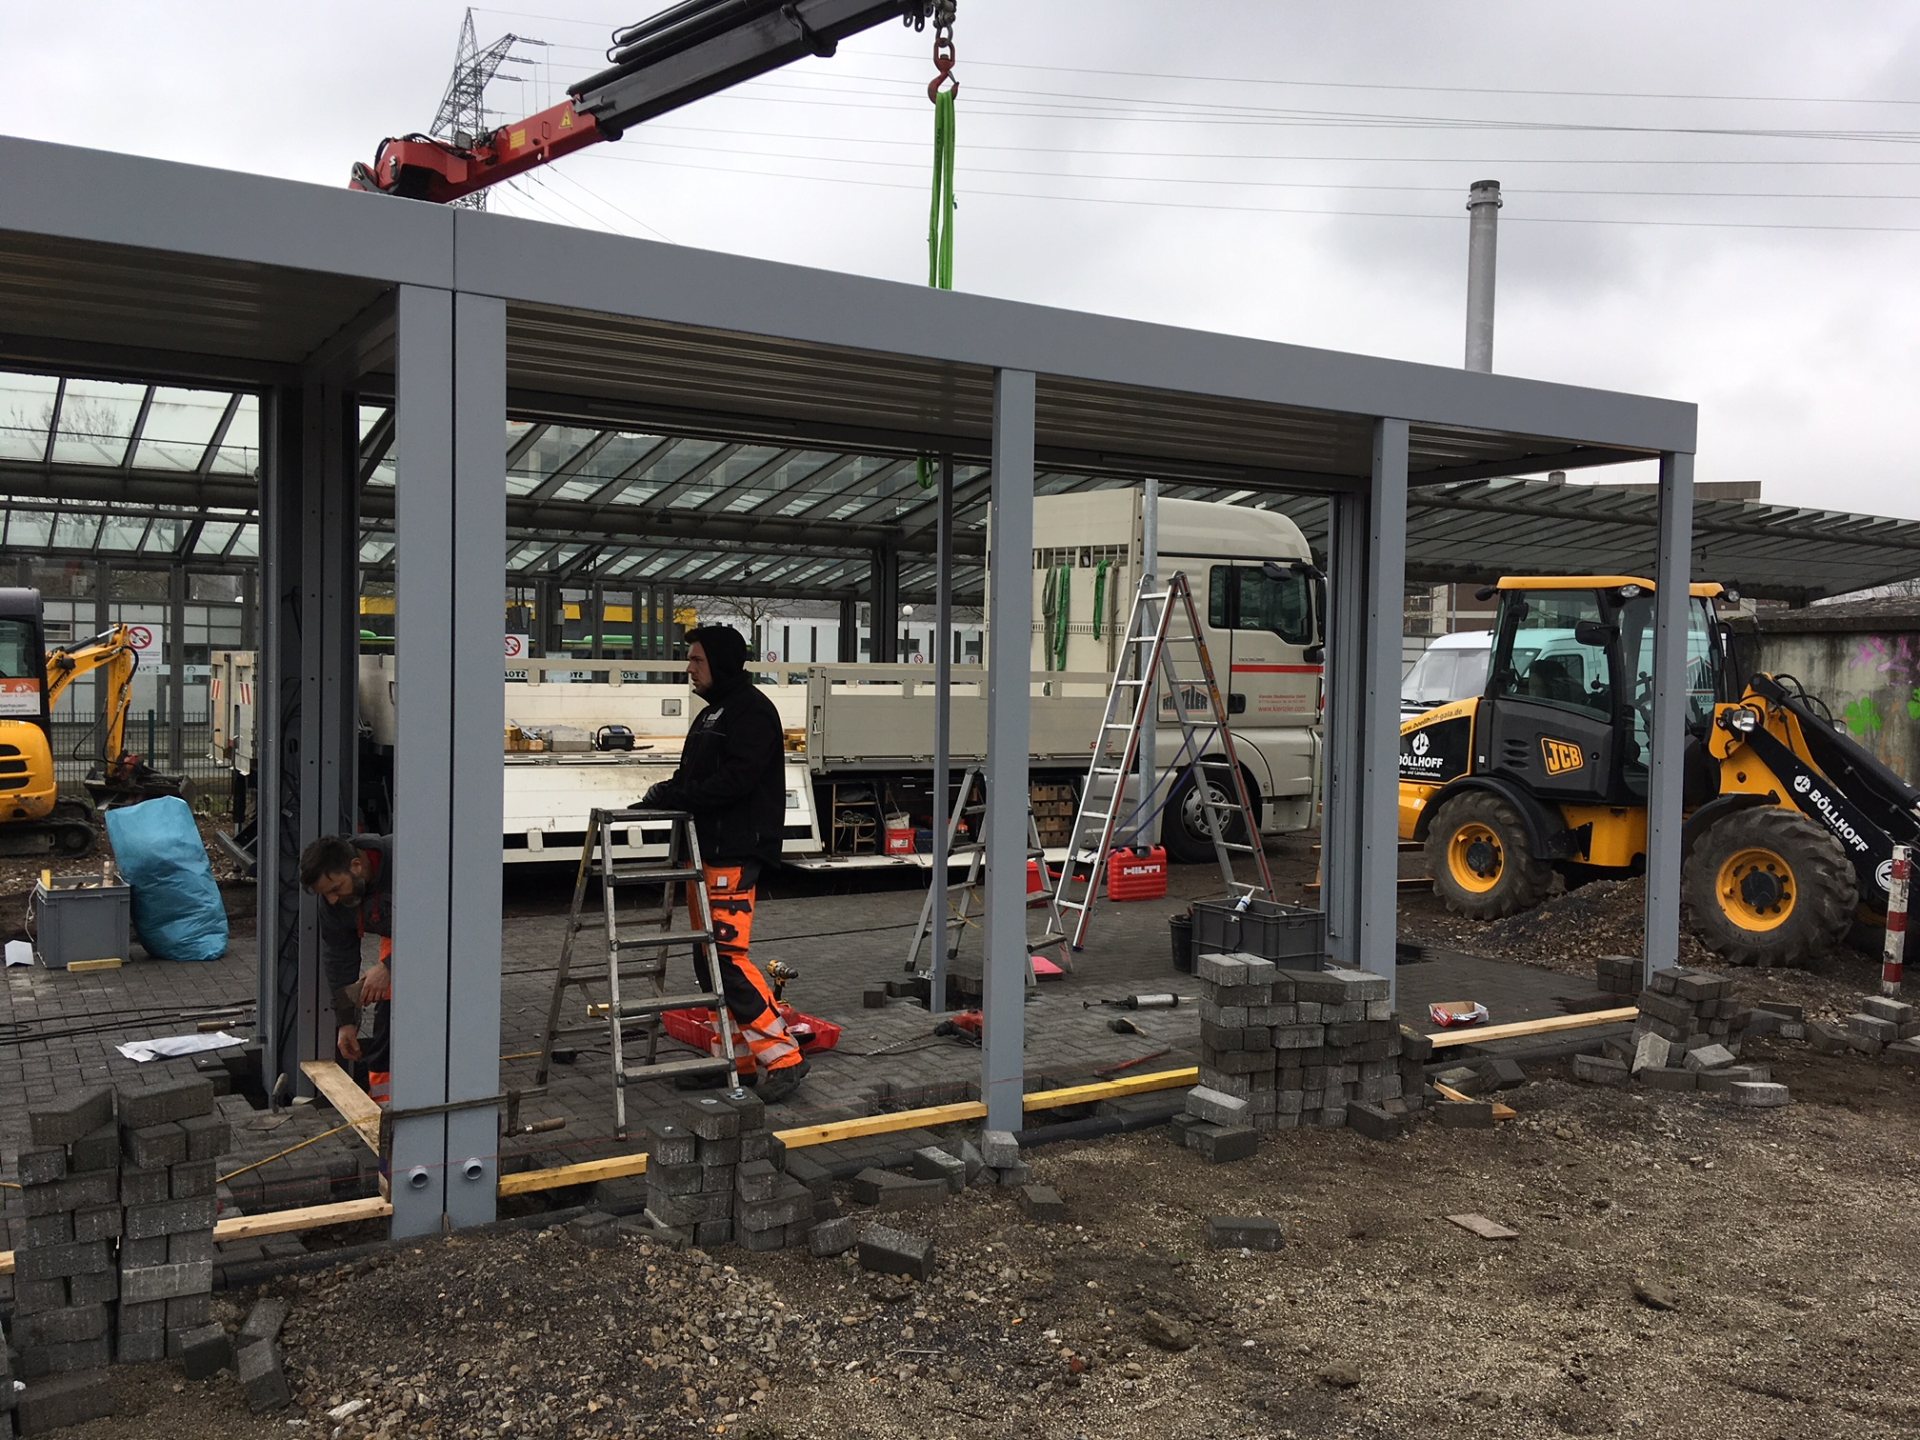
x=1891, y=802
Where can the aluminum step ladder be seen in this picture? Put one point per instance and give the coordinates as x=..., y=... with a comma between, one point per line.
x=1164, y=652
x=968, y=816
x=638, y=941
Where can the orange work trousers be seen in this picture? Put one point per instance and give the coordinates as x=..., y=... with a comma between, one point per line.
x=748, y=996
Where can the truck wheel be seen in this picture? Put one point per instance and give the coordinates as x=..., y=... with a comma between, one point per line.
x=1482, y=866
x=1183, y=826
x=1770, y=887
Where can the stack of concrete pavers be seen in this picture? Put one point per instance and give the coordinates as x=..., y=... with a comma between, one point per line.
x=172, y=1142
x=1884, y=1026
x=1280, y=1049
x=715, y=1174
x=65, y=1280
x=1687, y=1039
x=1691, y=1010
x=1618, y=975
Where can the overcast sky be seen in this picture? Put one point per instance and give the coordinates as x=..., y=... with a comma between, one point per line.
x=1295, y=171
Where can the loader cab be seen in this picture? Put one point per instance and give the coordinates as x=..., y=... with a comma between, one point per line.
x=23, y=659
x=1569, y=700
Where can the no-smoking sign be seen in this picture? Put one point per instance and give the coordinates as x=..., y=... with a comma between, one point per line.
x=517, y=646
x=143, y=638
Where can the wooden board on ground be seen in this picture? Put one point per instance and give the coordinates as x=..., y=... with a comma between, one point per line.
x=1480, y=1034
x=1500, y=1112
x=356, y=1107
x=1405, y=885
x=1486, y=1229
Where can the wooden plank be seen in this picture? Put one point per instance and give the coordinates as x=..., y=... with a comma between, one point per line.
x=620, y=1166
x=356, y=1107
x=279, y=1222
x=1405, y=885
x=1500, y=1112
x=1478, y=1034
x=585, y=1172
x=1113, y=1089
x=307, y=1217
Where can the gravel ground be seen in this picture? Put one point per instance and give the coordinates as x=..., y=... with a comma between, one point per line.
x=1772, y=1298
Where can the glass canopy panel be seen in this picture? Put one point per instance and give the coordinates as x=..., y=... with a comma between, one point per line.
x=556, y=446
x=239, y=452
x=96, y=422
x=75, y=532
x=180, y=426
x=247, y=543
x=167, y=533
x=29, y=529
x=26, y=410
x=566, y=555
x=727, y=473
x=123, y=533
x=527, y=553
x=656, y=565
x=214, y=536
x=370, y=416
x=842, y=482
x=679, y=461
x=622, y=565
x=787, y=477
x=620, y=454
x=375, y=551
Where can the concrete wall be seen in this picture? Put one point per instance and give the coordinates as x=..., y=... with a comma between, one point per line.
x=1863, y=661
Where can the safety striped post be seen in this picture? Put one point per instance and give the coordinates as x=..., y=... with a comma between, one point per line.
x=1893, y=960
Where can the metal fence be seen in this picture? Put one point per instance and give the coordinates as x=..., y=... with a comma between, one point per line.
x=78, y=744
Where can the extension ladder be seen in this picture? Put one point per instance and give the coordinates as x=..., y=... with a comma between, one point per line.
x=969, y=810
x=638, y=940
x=1146, y=665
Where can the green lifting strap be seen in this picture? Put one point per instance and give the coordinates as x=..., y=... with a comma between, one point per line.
x=940, y=223
x=1062, y=615
x=1099, y=594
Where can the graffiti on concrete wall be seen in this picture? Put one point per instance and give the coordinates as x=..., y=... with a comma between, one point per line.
x=1880, y=705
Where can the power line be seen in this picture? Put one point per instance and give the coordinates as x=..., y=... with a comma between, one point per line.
x=654, y=127
x=1256, y=184
x=1289, y=210
x=1190, y=77
x=651, y=230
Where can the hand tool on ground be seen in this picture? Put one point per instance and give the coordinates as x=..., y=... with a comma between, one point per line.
x=1141, y=1002
x=1129, y=1064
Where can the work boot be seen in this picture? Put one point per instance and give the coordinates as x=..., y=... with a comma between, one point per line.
x=779, y=1085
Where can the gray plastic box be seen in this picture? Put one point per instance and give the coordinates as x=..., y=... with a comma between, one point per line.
x=78, y=918
x=1291, y=936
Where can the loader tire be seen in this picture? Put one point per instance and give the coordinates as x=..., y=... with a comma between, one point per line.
x=1770, y=887
x=1482, y=865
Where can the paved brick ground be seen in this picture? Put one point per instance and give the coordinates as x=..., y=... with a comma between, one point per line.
x=842, y=932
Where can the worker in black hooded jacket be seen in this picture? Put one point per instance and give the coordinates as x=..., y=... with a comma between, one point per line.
x=732, y=780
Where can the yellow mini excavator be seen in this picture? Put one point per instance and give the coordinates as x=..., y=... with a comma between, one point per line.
x=34, y=819
x=1790, y=823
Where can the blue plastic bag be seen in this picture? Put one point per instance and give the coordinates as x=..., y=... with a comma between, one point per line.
x=177, y=907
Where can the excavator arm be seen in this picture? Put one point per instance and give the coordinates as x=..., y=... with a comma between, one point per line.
x=687, y=52
x=111, y=651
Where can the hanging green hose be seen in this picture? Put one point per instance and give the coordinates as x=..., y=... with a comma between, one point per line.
x=940, y=222
x=1099, y=594
x=1062, y=615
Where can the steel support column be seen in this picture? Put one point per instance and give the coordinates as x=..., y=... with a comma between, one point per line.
x=472, y=751
x=942, y=731
x=423, y=800
x=176, y=676
x=1359, y=850
x=305, y=701
x=1672, y=577
x=884, y=590
x=849, y=638
x=1009, y=706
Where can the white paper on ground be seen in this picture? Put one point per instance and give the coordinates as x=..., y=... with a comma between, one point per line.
x=19, y=952
x=167, y=1046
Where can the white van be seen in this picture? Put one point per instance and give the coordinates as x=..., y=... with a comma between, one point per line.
x=1451, y=668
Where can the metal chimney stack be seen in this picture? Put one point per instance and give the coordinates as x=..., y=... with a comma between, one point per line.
x=1483, y=232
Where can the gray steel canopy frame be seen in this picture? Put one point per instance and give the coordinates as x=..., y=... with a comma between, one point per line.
x=135, y=265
